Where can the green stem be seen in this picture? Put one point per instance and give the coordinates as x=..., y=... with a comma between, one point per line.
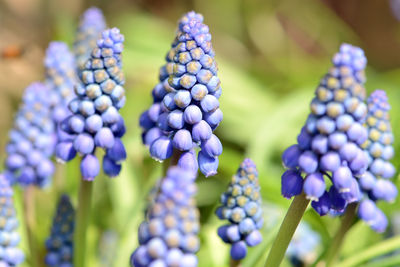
x=376, y=250
x=59, y=179
x=82, y=222
x=286, y=231
x=29, y=206
x=235, y=263
x=334, y=248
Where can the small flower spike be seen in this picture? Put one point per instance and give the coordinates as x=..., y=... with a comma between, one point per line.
x=168, y=236
x=375, y=183
x=95, y=121
x=329, y=144
x=185, y=109
x=241, y=206
x=302, y=248
x=60, y=78
x=10, y=255
x=60, y=243
x=91, y=25
x=32, y=140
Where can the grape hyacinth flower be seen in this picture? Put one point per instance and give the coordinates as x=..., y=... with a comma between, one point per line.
x=241, y=206
x=375, y=183
x=95, y=121
x=10, y=255
x=91, y=25
x=168, y=236
x=329, y=145
x=302, y=248
x=32, y=140
x=60, y=78
x=60, y=243
x=185, y=109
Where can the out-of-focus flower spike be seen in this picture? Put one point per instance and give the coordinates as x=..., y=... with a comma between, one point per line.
x=59, y=245
x=32, y=139
x=11, y=255
x=91, y=25
x=60, y=78
x=168, y=236
x=95, y=121
x=375, y=183
x=241, y=206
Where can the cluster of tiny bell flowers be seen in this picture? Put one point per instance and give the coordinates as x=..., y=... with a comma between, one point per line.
x=329, y=144
x=10, y=255
x=168, y=236
x=95, y=121
x=185, y=109
x=241, y=206
x=375, y=183
x=32, y=140
x=59, y=245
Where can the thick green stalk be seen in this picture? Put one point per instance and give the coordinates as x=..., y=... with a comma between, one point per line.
x=347, y=222
x=235, y=263
x=286, y=231
x=29, y=206
x=373, y=251
x=82, y=222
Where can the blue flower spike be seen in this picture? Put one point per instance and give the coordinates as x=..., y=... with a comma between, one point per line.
x=91, y=25
x=302, y=250
x=10, y=254
x=60, y=78
x=329, y=145
x=168, y=236
x=32, y=140
x=59, y=245
x=95, y=121
x=375, y=183
x=185, y=109
x=241, y=206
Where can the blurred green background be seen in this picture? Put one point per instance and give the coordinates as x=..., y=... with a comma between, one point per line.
x=271, y=55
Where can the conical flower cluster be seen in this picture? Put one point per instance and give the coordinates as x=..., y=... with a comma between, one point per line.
x=241, y=206
x=168, y=236
x=186, y=109
x=91, y=25
x=96, y=121
x=375, y=183
x=60, y=243
x=329, y=143
x=32, y=140
x=10, y=255
x=60, y=78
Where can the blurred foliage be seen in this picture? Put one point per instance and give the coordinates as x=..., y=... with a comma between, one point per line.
x=271, y=55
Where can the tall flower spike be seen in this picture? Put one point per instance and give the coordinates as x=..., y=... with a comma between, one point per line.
x=60, y=243
x=91, y=25
x=302, y=248
x=168, y=236
x=241, y=206
x=96, y=121
x=375, y=183
x=329, y=143
x=32, y=140
x=9, y=238
x=60, y=78
x=185, y=109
